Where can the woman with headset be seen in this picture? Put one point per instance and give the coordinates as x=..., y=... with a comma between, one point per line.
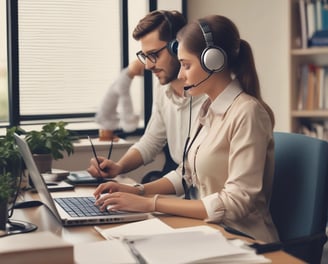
x=227, y=171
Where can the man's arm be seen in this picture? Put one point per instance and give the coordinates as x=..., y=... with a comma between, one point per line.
x=131, y=160
x=118, y=92
x=135, y=68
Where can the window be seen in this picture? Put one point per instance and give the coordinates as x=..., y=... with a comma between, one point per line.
x=63, y=56
x=69, y=51
x=4, y=112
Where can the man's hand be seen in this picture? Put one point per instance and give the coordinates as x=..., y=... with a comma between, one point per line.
x=105, y=169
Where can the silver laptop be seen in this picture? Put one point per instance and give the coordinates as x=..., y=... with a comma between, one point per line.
x=60, y=206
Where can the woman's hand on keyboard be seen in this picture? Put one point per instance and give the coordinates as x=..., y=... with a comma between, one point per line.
x=112, y=187
x=122, y=201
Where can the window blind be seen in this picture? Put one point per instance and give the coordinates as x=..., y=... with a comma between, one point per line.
x=69, y=53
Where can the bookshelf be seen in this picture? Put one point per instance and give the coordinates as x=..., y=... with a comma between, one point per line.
x=308, y=95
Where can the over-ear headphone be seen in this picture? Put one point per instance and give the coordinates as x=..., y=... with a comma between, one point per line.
x=213, y=58
x=172, y=45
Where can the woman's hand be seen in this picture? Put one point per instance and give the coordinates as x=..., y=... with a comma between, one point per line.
x=122, y=201
x=105, y=169
x=111, y=187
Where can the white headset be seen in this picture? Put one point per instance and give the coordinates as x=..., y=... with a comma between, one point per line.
x=213, y=58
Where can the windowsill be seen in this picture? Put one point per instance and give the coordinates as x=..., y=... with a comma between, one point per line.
x=84, y=126
x=84, y=144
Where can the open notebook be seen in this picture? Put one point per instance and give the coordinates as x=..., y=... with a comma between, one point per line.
x=152, y=241
x=60, y=206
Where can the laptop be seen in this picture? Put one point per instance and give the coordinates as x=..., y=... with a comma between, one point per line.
x=82, y=205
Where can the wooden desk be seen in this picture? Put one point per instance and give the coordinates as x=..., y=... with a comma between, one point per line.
x=45, y=221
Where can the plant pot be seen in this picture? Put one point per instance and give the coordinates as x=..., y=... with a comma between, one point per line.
x=43, y=162
x=3, y=214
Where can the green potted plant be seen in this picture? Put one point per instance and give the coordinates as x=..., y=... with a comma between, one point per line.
x=10, y=173
x=51, y=142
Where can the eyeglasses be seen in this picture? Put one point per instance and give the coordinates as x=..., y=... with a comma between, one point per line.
x=152, y=56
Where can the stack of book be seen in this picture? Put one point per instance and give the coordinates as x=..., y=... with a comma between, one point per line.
x=313, y=22
x=315, y=129
x=313, y=87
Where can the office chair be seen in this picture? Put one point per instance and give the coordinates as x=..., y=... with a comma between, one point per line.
x=299, y=201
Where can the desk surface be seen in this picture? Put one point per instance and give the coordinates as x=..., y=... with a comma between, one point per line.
x=45, y=221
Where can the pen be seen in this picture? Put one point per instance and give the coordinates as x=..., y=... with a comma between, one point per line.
x=134, y=251
x=94, y=151
x=110, y=149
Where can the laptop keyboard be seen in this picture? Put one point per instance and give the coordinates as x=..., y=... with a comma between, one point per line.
x=80, y=206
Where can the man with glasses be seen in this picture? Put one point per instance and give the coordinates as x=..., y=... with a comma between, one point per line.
x=171, y=111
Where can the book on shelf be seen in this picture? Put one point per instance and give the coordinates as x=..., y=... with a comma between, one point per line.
x=311, y=18
x=321, y=14
x=324, y=15
x=324, y=93
x=311, y=87
x=319, y=38
x=315, y=129
x=303, y=23
x=321, y=87
x=312, y=92
x=302, y=87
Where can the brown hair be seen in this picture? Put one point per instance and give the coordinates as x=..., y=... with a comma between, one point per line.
x=240, y=60
x=168, y=23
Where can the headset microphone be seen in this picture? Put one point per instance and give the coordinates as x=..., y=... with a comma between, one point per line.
x=186, y=88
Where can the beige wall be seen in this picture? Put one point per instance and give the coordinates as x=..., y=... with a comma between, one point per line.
x=264, y=24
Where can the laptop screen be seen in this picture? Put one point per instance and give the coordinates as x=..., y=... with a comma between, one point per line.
x=35, y=175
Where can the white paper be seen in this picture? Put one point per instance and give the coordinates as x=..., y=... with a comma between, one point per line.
x=103, y=252
x=158, y=243
x=147, y=227
x=185, y=247
x=197, y=244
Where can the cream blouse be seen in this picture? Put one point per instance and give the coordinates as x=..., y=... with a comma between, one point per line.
x=231, y=162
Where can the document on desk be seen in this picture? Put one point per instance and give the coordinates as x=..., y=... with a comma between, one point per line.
x=103, y=252
x=198, y=244
x=143, y=228
x=193, y=247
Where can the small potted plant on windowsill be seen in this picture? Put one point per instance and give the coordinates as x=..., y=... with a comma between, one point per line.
x=10, y=173
x=51, y=142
